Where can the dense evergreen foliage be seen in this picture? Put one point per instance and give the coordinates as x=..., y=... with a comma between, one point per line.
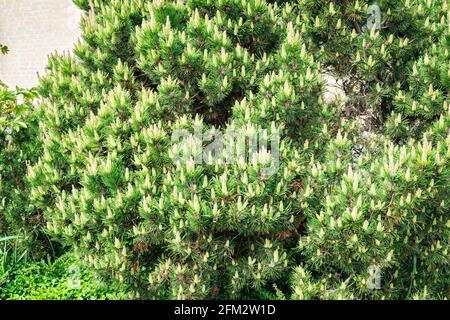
x=106, y=182
x=378, y=49
x=378, y=200
x=19, y=148
x=349, y=201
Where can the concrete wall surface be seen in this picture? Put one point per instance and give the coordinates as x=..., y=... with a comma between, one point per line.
x=32, y=29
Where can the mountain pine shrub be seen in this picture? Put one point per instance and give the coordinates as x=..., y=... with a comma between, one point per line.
x=384, y=210
x=376, y=206
x=373, y=47
x=426, y=96
x=107, y=181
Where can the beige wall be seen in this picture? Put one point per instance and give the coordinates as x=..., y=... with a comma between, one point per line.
x=32, y=29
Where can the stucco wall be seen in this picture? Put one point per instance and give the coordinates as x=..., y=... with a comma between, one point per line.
x=32, y=29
